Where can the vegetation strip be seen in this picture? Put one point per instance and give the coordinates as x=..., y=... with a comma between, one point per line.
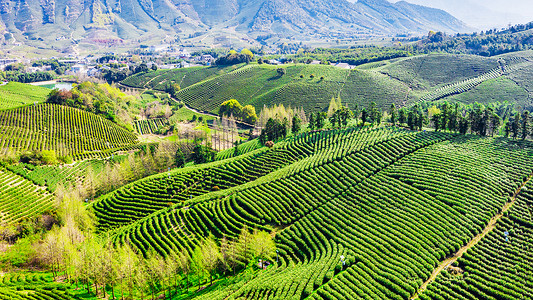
x=490, y=226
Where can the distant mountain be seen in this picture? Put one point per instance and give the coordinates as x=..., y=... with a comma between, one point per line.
x=68, y=24
x=484, y=14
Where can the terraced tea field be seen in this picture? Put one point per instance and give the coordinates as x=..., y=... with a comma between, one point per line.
x=394, y=203
x=16, y=94
x=403, y=81
x=21, y=199
x=62, y=129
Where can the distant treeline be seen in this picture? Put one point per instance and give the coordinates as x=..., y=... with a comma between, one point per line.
x=489, y=43
x=26, y=77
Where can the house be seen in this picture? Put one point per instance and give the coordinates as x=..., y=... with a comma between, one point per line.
x=345, y=66
x=93, y=72
x=273, y=62
x=207, y=58
x=79, y=69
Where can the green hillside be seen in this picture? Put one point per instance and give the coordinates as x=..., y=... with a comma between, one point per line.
x=374, y=195
x=500, y=265
x=16, y=94
x=65, y=130
x=158, y=80
x=403, y=81
x=21, y=199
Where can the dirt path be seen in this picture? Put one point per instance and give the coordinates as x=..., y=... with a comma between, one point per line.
x=492, y=224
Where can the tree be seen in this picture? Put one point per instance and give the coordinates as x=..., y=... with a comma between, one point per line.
x=184, y=265
x=402, y=117
x=230, y=254
x=312, y=121
x=211, y=256
x=247, y=53
x=393, y=114
x=454, y=116
x=463, y=125
x=128, y=262
x=248, y=114
x=364, y=116
x=236, y=150
x=334, y=105
x=141, y=68
x=320, y=120
x=154, y=67
x=437, y=119
x=515, y=126
x=231, y=107
x=495, y=123
x=263, y=245
x=375, y=113
x=173, y=89
x=179, y=158
x=202, y=154
x=356, y=113
x=296, y=124
x=197, y=264
x=420, y=120
x=525, y=124
x=275, y=129
x=154, y=266
x=281, y=71
x=244, y=242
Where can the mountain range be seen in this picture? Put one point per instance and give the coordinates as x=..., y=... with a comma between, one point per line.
x=484, y=14
x=65, y=24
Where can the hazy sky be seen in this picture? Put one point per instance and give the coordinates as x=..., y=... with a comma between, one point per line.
x=484, y=13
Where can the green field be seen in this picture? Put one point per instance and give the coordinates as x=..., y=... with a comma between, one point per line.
x=402, y=81
x=375, y=196
x=20, y=199
x=65, y=130
x=499, y=267
x=16, y=94
x=355, y=211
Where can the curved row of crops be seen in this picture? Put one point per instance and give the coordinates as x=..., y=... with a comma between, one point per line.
x=499, y=267
x=161, y=79
x=242, y=149
x=149, y=126
x=462, y=86
x=362, y=195
x=429, y=71
x=63, y=129
x=21, y=199
x=139, y=199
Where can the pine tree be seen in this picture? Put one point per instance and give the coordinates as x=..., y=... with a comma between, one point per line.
x=296, y=124
x=525, y=124
x=393, y=114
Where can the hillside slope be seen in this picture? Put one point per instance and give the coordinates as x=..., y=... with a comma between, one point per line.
x=377, y=196
x=403, y=81
x=66, y=130
x=16, y=94
x=127, y=23
x=20, y=199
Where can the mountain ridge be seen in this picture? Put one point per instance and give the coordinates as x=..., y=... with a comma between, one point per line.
x=65, y=23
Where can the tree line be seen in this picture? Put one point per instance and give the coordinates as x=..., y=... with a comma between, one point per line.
x=72, y=252
x=476, y=119
x=490, y=120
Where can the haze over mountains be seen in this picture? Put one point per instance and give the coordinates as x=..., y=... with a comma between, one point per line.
x=484, y=14
x=63, y=23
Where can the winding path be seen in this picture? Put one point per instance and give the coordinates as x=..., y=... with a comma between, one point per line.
x=490, y=226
